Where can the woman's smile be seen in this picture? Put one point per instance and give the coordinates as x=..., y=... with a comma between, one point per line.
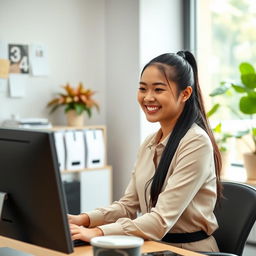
x=152, y=109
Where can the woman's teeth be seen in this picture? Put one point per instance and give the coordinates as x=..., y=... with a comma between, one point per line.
x=152, y=108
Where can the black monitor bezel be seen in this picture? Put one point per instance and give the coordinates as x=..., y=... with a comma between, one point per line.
x=61, y=207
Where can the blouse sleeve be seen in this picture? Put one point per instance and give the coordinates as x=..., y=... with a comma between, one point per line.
x=192, y=165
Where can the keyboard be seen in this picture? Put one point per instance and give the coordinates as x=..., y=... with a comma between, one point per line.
x=80, y=243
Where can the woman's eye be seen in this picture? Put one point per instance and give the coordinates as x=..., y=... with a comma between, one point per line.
x=142, y=89
x=159, y=89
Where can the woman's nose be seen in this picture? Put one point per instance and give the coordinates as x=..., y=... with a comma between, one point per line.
x=149, y=97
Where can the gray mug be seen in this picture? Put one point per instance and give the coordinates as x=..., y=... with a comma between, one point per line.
x=116, y=245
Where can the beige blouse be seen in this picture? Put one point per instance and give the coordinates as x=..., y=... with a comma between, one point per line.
x=187, y=199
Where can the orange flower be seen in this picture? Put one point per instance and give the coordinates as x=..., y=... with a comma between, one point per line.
x=78, y=99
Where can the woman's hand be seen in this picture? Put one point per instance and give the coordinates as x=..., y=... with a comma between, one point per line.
x=82, y=233
x=80, y=220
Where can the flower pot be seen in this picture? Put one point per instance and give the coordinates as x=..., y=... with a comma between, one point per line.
x=73, y=119
x=250, y=165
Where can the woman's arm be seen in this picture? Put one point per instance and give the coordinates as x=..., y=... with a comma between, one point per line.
x=127, y=207
x=80, y=220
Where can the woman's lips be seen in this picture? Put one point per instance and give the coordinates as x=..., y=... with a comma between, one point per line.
x=151, y=109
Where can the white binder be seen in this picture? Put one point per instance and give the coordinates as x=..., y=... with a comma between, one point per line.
x=60, y=148
x=75, y=150
x=95, y=148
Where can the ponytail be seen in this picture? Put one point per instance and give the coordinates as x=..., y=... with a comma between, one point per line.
x=203, y=121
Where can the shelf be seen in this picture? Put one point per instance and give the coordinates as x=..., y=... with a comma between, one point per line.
x=87, y=169
x=57, y=128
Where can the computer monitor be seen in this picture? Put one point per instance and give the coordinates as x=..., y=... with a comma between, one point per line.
x=34, y=209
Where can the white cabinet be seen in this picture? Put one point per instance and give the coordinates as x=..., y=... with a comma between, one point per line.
x=95, y=182
x=96, y=189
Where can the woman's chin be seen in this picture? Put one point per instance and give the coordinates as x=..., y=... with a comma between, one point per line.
x=152, y=120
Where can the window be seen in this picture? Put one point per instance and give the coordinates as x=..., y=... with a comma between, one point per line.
x=226, y=36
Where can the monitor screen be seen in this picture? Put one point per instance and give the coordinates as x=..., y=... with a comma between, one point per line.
x=32, y=202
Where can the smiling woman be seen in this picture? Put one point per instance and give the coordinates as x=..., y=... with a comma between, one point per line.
x=159, y=99
x=175, y=181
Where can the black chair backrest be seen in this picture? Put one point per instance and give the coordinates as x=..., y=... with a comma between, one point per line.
x=236, y=215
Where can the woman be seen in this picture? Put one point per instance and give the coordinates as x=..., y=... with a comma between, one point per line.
x=175, y=182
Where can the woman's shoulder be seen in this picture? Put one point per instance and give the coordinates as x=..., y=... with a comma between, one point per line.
x=198, y=133
x=196, y=139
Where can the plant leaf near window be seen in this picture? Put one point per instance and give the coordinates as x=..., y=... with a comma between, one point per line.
x=246, y=89
x=220, y=136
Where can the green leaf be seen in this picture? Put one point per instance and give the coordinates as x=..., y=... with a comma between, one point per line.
x=249, y=80
x=89, y=111
x=223, y=149
x=220, y=90
x=68, y=107
x=252, y=94
x=238, y=88
x=217, y=128
x=79, y=108
x=213, y=110
x=247, y=105
x=240, y=134
x=227, y=136
x=54, y=108
x=254, y=131
x=246, y=68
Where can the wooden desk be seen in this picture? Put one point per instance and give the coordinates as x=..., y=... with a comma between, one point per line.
x=148, y=246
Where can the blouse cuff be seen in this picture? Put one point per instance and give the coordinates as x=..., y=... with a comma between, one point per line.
x=112, y=229
x=96, y=218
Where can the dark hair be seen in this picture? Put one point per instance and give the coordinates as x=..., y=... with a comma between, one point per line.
x=181, y=68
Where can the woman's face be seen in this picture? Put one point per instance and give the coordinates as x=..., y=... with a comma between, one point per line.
x=158, y=97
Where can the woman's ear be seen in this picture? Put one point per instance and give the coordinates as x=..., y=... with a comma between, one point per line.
x=186, y=93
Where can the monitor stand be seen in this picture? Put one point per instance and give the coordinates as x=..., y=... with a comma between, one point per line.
x=6, y=251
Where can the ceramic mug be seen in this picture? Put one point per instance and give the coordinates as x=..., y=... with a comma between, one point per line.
x=116, y=245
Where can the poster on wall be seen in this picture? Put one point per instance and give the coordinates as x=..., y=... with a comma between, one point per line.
x=38, y=60
x=18, y=56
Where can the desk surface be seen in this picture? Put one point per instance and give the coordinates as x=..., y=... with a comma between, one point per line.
x=85, y=250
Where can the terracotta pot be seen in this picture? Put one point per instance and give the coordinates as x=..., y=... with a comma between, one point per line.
x=73, y=119
x=250, y=165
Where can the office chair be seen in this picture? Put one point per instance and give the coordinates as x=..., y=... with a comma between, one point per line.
x=236, y=215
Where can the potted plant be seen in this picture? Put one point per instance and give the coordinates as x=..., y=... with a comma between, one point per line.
x=246, y=90
x=76, y=101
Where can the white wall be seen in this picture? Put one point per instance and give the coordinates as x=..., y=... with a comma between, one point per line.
x=103, y=43
x=136, y=31
x=160, y=32
x=122, y=69
x=73, y=31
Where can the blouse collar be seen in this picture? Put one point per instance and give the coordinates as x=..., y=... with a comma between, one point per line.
x=156, y=138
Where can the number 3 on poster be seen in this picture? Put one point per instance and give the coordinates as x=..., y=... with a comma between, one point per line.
x=18, y=56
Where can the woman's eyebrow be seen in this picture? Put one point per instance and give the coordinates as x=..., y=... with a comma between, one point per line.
x=155, y=83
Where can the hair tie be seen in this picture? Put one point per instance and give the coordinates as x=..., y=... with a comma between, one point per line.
x=181, y=54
